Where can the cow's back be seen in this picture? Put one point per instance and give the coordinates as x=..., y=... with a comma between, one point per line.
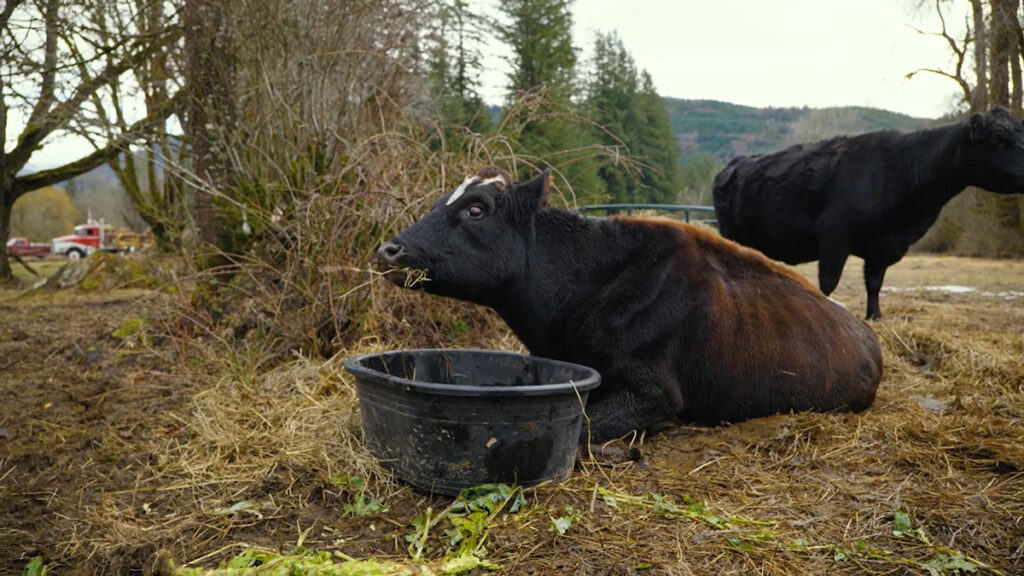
x=763, y=340
x=773, y=202
x=784, y=347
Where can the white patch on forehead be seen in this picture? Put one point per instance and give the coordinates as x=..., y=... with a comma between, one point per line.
x=493, y=180
x=461, y=190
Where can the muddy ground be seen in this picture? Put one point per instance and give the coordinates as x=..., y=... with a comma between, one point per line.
x=109, y=447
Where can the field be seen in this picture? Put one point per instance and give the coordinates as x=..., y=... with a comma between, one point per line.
x=124, y=450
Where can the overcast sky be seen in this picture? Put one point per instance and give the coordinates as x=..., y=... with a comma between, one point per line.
x=778, y=53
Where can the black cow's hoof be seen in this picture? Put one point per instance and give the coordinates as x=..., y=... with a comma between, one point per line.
x=610, y=454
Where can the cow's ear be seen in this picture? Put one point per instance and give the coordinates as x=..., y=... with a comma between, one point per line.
x=976, y=126
x=533, y=194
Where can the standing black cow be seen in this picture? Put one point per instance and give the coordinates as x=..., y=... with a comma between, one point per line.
x=871, y=195
x=678, y=321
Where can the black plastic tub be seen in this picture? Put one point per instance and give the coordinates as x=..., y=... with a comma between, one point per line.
x=444, y=420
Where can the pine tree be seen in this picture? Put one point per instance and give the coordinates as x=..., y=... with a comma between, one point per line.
x=697, y=175
x=628, y=113
x=539, y=33
x=454, y=67
x=656, y=145
x=612, y=106
x=540, y=36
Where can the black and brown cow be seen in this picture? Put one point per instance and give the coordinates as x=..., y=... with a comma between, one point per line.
x=681, y=323
x=871, y=195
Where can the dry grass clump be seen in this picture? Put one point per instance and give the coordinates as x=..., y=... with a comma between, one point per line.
x=283, y=420
x=305, y=277
x=260, y=453
x=262, y=456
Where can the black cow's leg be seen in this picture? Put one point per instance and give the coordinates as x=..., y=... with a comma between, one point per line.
x=620, y=412
x=610, y=417
x=831, y=260
x=874, y=273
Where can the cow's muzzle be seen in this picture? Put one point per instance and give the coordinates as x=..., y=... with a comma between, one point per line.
x=390, y=258
x=390, y=252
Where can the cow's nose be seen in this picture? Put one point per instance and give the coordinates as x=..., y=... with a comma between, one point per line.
x=390, y=252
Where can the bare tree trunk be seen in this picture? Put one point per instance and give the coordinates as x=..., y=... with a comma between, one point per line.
x=156, y=96
x=1006, y=52
x=6, y=202
x=209, y=48
x=1013, y=54
x=1004, y=14
x=6, y=191
x=10, y=166
x=1015, y=79
x=979, y=98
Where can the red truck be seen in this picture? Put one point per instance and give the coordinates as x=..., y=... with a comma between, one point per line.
x=83, y=240
x=23, y=248
x=96, y=236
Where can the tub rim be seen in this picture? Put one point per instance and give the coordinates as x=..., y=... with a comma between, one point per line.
x=355, y=367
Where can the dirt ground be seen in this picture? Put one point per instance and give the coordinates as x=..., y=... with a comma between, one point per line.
x=115, y=458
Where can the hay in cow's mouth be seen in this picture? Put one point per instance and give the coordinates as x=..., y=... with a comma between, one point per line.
x=407, y=277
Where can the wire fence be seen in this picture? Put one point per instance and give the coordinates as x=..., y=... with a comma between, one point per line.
x=705, y=214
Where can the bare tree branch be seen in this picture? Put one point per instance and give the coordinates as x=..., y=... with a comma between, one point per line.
x=49, y=71
x=958, y=49
x=963, y=83
x=120, y=144
x=34, y=134
x=9, y=7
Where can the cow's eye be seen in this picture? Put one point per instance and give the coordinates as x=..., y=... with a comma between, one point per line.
x=475, y=211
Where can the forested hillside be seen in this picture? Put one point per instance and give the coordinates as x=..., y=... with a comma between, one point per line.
x=724, y=130
x=709, y=133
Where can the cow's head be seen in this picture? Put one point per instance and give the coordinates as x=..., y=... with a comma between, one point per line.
x=993, y=152
x=474, y=240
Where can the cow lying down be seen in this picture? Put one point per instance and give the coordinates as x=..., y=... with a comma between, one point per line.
x=681, y=323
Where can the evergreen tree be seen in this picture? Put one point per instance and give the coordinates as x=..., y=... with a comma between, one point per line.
x=539, y=33
x=697, y=176
x=656, y=145
x=454, y=67
x=612, y=106
x=627, y=112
